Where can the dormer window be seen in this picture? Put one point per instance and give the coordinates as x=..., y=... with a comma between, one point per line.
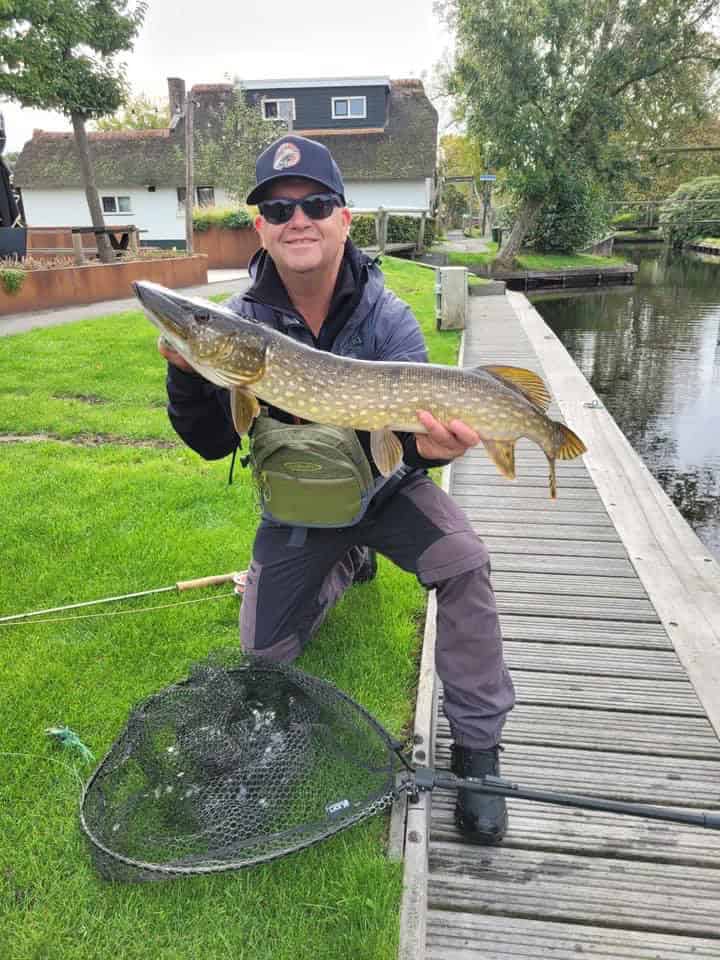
x=278, y=109
x=349, y=108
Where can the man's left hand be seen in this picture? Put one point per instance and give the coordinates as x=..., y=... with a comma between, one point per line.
x=444, y=441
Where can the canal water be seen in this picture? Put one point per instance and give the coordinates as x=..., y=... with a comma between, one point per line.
x=652, y=354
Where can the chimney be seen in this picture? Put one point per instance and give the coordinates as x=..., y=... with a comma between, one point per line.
x=176, y=96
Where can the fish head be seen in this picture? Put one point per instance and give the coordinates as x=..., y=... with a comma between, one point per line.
x=227, y=348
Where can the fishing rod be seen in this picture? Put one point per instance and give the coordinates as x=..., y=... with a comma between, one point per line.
x=179, y=587
x=425, y=779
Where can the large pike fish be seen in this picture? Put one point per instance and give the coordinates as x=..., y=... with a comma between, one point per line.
x=254, y=361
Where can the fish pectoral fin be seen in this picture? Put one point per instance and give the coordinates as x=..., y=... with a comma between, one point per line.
x=244, y=408
x=525, y=381
x=502, y=454
x=387, y=451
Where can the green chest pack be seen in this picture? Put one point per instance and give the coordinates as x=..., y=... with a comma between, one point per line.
x=310, y=474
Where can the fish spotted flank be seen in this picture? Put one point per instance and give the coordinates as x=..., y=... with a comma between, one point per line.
x=501, y=403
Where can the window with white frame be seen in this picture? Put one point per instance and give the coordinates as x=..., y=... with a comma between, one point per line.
x=278, y=109
x=349, y=108
x=204, y=197
x=116, y=205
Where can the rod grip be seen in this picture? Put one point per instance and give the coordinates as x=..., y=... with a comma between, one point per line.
x=205, y=581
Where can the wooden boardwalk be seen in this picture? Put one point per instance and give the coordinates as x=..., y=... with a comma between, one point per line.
x=612, y=635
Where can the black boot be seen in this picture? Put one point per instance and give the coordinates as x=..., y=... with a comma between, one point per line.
x=368, y=569
x=480, y=817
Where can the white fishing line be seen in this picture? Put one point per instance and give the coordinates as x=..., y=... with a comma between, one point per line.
x=115, y=613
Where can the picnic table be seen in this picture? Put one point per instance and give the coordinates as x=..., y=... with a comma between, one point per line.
x=122, y=237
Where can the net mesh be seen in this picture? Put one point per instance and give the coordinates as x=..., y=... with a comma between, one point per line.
x=243, y=762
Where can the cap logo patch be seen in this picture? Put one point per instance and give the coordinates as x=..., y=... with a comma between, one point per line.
x=286, y=155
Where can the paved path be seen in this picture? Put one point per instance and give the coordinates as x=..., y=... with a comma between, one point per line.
x=457, y=242
x=220, y=281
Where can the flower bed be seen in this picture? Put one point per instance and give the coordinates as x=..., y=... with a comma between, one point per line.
x=62, y=286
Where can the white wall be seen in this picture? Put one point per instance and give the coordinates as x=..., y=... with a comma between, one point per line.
x=157, y=212
x=388, y=193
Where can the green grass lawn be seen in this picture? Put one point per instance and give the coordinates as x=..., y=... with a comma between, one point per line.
x=709, y=241
x=101, y=499
x=528, y=260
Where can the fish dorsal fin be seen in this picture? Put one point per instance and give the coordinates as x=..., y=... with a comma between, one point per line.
x=529, y=384
x=387, y=451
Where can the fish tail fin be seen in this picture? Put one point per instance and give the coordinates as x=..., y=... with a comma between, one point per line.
x=567, y=445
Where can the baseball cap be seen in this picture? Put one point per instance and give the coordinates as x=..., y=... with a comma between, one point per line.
x=292, y=156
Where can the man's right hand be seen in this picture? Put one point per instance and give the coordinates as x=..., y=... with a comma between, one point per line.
x=173, y=357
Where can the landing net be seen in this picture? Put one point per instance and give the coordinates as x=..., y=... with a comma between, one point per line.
x=241, y=763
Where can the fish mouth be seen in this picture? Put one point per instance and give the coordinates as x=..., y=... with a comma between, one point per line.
x=168, y=311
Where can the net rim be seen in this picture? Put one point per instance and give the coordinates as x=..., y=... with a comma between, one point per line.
x=258, y=665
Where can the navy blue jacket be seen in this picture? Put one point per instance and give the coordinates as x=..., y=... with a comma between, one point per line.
x=380, y=327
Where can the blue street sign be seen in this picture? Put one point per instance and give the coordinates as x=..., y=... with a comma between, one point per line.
x=487, y=176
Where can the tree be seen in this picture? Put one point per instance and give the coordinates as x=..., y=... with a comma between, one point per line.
x=60, y=55
x=693, y=211
x=226, y=156
x=138, y=113
x=552, y=86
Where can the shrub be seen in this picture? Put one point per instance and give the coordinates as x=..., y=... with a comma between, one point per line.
x=11, y=279
x=400, y=230
x=692, y=211
x=222, y=217
x=574, y=216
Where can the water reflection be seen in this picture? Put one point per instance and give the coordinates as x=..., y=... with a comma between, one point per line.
x=652, y=354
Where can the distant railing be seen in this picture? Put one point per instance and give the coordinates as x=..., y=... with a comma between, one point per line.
x=383, y=214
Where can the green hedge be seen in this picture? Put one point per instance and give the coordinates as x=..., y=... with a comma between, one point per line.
x=222, y=217
x=692, y=211
x=400, y=230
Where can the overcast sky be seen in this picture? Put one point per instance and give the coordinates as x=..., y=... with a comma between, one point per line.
x=203, y=40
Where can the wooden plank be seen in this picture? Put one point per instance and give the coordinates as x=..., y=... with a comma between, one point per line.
x=476, y=936
x=607, y=731
x=542, y=515
x=659, y=898
x=679, y=782
x=648, y=636
x=595, y=661
x=528, y=498
x=413, y=906
x=601, y=608
x=528, y=581
x=549, y=546
x=607, y=693
x=541, y=826
x=546, y=531
x=539, y=563
x=521, y=488
x=466, y=475
x=677, y=570
x=479, y=499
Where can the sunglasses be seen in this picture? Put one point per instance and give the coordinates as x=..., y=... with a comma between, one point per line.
x=318, y=206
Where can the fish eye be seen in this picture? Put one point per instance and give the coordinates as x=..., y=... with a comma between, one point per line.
x=202, y=318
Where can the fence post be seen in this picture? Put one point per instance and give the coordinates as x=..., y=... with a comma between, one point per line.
x=421, y=234
x=78, y=248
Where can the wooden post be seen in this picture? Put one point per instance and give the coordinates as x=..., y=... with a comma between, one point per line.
x=189, y=178
x=383, y=229
x=133, y=241
x=421, y=235
x=78, y=251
